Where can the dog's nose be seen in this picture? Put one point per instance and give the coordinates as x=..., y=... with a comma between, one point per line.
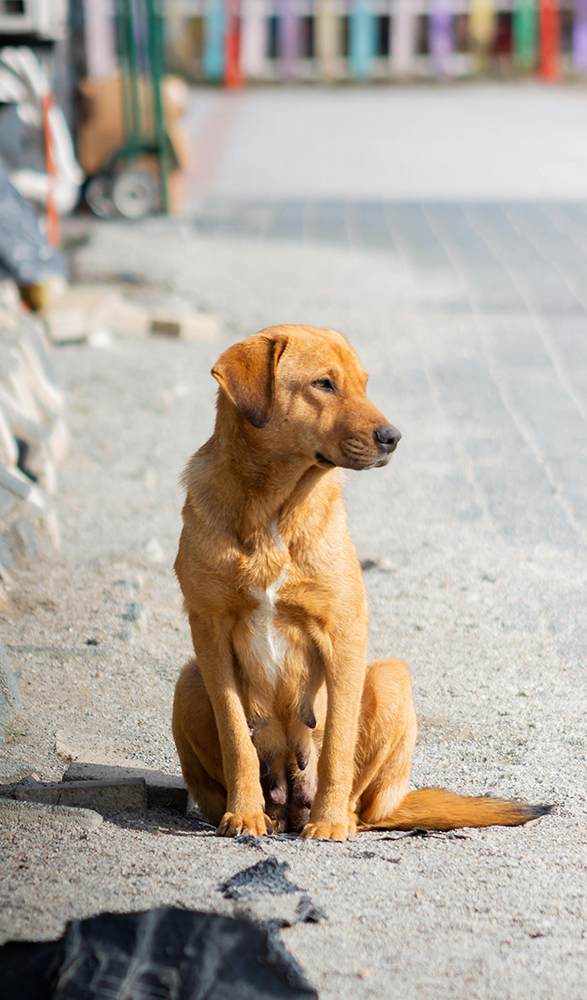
x=387, y=436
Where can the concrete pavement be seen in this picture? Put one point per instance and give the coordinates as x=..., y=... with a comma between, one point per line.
x=458, y=141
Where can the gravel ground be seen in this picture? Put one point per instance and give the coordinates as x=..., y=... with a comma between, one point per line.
x=478, y=580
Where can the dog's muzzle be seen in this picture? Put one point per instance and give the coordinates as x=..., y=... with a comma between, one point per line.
x=387, y=437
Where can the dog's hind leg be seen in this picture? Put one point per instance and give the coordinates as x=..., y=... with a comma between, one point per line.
x=198, y=746
x=276, y=791
x=387, y=736
x=382, y=768
x=303, y=789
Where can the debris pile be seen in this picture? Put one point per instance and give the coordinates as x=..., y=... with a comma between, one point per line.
x=33, y=440
x=99, y=313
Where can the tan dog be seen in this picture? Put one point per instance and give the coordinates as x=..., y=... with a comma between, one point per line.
x=280, y=723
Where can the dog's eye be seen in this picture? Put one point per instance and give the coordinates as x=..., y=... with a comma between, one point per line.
x=325, y=383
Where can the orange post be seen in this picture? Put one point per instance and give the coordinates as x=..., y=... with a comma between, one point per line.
x=53, y=227
x=233, y=77
x=549, y=40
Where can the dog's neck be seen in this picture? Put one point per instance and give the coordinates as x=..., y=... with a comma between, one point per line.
x=258, y=488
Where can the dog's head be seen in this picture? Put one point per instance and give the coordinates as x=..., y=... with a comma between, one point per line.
x=303, y=391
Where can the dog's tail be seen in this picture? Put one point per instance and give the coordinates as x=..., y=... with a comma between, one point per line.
x=439, y=809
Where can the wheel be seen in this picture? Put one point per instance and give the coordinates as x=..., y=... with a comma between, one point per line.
x=135, y=194
x=98, y=195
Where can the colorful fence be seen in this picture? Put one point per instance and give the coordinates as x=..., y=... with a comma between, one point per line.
x=285, y=40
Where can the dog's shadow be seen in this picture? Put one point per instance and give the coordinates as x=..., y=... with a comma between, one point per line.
x=161, y=821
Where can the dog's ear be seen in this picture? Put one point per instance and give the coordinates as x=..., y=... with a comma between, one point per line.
x=246, y=373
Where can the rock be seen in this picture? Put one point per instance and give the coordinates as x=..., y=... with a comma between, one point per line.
x=63, y=745
x=19, y=812
x=49, y=525
x=126, y=634
x=102, y=340
x=266, y=877
x=164, y=791
x=5, y=602
x=137, y=614
x=167, y=953
x=197, y=326
x=5, y=715
x=66, y=323
x=8, y=685
x=154, y=552
x=22, y=534
x=9, y=295
x=33, y=355
x=6, y=501
x=85, y=309
x=8, y=446
x=103, y=796
x=33, y=439
x=6, y=557
x=37, y=338
x=16, y=484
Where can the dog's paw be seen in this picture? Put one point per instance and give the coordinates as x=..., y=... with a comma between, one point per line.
x=353, y=823
x=236, y=824
x=325, y=831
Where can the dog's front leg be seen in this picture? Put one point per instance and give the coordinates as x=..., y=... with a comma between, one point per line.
x=330, y=816
x=240, y=762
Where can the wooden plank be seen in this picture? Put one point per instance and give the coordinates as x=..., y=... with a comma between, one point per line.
x=441, y=37
x=232, y=70
x=288, y=38
x=214, y=28
x=362, y=38
x=482, y=31
x=403, y=38
x=327, y=33
x=525, y=31
x=253, y=39
x=580, y=37
x=549, y=40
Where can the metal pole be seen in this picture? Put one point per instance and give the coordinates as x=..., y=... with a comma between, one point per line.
x=131, y=37
x=122, y=45
x=156, y=44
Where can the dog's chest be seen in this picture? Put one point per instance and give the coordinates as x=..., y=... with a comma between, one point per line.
x=268, y=645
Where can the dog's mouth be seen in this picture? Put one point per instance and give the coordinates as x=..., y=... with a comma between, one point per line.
x=358, y=463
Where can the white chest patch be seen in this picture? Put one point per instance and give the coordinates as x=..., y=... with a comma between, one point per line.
x=267, y=645
x=276, y=536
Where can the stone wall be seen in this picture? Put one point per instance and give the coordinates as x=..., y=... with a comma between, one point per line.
x=33, y=440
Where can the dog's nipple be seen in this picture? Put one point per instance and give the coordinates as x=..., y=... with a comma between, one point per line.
x=307, y=717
